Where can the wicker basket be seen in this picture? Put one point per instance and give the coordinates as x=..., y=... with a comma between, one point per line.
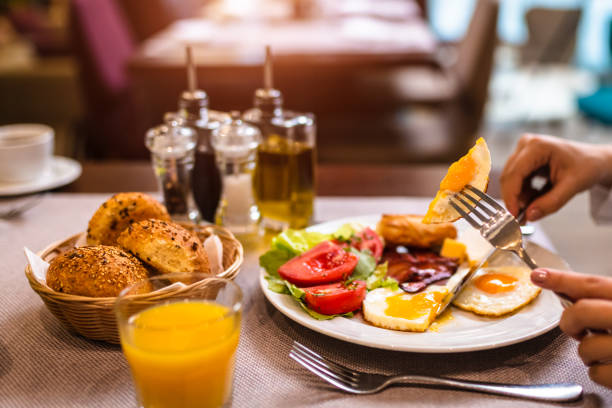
x=93, y=317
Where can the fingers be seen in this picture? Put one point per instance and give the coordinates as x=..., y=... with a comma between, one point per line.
x=522, y=163
x=586, y=314
x=552, y=201
x=596, y=348
x=575, y=285
x=601, y=374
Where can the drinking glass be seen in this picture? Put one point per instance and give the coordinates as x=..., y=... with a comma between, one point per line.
x=181, y=342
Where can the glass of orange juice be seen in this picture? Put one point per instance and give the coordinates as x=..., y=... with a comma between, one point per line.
x=181, y=344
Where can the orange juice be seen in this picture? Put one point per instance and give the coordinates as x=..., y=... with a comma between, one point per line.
x=182, y=354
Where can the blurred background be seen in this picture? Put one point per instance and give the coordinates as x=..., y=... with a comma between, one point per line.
x=390, y=81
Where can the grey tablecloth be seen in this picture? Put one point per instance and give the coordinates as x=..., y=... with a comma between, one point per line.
x=43, y=365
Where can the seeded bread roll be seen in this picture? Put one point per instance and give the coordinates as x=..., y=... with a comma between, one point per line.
x=95, y=271
x=118, y=212
x=166, y=246
x=410, y=231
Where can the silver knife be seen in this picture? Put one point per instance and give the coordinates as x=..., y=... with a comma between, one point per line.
x=448, y=299
x=534, y=185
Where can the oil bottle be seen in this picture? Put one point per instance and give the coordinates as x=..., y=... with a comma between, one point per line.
x=284, y=180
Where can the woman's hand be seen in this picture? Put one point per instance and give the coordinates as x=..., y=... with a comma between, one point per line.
x=592, y=310
x=574, y=167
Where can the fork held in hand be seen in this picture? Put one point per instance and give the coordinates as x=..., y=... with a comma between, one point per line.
x=357, y=382
x=495, y=224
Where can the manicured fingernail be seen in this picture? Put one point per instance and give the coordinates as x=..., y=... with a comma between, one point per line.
x=534, y=214
x=539, y=276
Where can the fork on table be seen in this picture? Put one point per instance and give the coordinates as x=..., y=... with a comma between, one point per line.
x=358, y=382
x=12, y=207
x=496, y=225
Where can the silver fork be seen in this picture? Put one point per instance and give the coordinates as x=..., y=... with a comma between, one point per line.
x=357, y=382
x=11, y=208
x=496, y=225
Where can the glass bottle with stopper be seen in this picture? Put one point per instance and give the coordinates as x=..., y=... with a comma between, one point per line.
x=193, y=109
x=284, y=179
x=172, y=148
x=235, y=144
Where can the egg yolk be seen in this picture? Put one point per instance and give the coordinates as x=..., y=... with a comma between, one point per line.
x=444, y=318
x=495, y=283
x=459, y=174
x=413, y=307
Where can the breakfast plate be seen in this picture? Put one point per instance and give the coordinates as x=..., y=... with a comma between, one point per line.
x=462, y=332
x=62, y=171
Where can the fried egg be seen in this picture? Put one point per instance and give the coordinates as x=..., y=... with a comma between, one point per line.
x=398, y=310
x=498, y=291
x=473, y=169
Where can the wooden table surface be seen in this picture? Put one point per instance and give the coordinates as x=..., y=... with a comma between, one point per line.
x=332, y=180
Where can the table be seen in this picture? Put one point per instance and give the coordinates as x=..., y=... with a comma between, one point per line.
x=43, y=365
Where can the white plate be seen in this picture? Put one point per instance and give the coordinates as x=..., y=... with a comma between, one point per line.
x=465, y=332
x=61, y=172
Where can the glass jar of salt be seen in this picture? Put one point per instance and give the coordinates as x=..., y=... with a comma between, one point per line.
x=172, y=147
x=235, y=144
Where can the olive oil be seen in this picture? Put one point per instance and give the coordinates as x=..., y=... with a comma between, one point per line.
x=284, y=179
x=284, y=183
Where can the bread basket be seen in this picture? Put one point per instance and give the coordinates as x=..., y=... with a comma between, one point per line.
x=94, y=318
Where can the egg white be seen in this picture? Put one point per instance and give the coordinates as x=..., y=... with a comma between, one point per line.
x=483, y=303
x=375, y=305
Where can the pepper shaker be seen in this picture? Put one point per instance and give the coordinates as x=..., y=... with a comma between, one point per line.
x=172, y=148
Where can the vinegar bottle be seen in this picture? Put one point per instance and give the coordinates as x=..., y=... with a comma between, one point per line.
x=284, y=180
x=193, y=109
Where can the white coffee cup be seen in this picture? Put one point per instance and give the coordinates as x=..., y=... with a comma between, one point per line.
x=25, y=152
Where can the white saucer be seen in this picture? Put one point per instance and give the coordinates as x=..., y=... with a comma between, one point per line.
x=62, y=171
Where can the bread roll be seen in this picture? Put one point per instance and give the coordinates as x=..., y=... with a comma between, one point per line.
x=118, y=212
x=410, y=231
x=166, y=246
x=95, y=271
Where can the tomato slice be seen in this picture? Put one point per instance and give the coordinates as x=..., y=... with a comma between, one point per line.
x=336, y=298
x=324, y=263
x=369, y=239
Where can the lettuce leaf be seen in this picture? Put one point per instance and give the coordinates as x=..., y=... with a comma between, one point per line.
x=298, y=241
x=379, y=279
x=277, y=284
x=344, y=233
x=365, y=267
x=291, y=243
x=348, y=231
x=274, y=259
x=287, y=245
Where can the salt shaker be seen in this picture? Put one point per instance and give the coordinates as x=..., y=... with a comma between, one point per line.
x=172, y=147
x=235, y=144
